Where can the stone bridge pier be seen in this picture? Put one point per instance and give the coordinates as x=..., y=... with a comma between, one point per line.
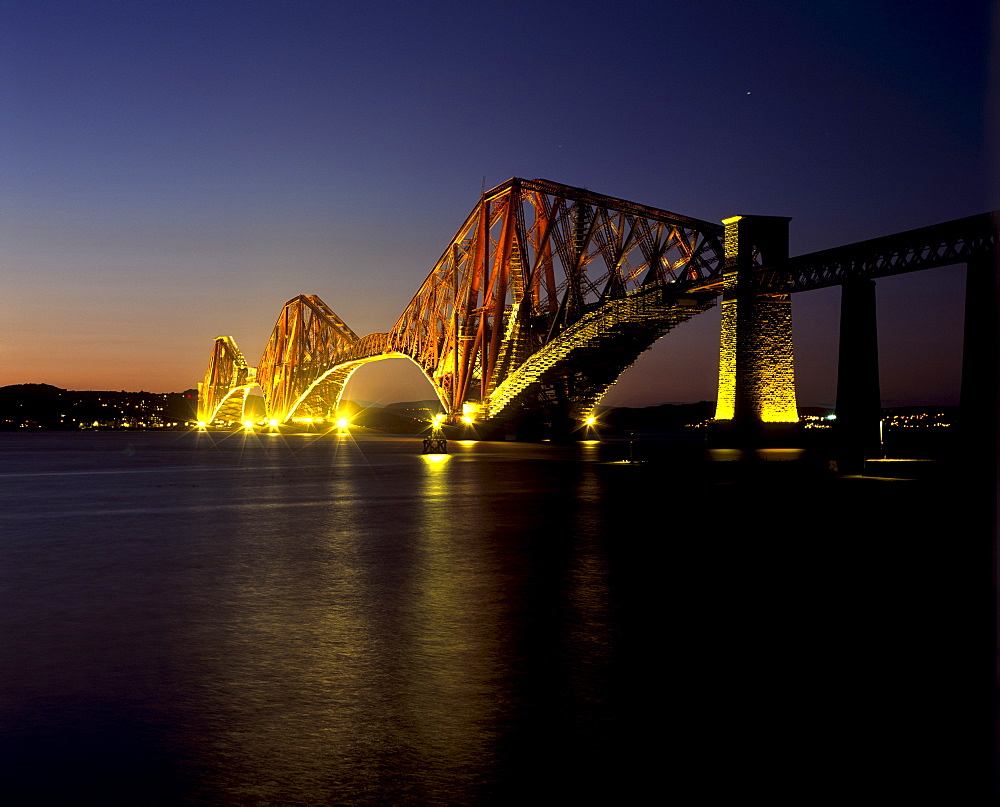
x=756, y=401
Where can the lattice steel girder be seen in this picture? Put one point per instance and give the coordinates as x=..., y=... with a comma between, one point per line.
x=944, y=244
x=227, y=370
x=530, y=260
x=587, y=358
x=308, y=339
x=539, y=281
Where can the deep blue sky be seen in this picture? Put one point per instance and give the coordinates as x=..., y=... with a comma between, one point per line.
x=173, y=171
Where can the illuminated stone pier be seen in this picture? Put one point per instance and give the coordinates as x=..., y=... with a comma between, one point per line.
x=756, y=403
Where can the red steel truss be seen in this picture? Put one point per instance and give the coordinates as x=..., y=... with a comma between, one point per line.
x=308, y=339
x=531, y=260
x=227, y=375
x=543, y=297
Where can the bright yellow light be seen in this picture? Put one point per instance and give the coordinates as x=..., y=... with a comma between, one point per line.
x=438, y=420
x=201, y=424
x=343, y=423
x=779, y=414
x=272, y=423
x=248, y=424
x=590, y=421
x=467, y=420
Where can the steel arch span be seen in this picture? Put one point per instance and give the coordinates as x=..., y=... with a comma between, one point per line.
x=543, y=297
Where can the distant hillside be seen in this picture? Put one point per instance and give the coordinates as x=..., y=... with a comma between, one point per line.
x=43, y=406
x=406, y=417
x=429, y=407
x=666, y=417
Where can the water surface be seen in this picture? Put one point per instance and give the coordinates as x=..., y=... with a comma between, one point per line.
x=267, y=619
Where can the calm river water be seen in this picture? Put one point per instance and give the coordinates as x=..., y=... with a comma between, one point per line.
x=251, y=619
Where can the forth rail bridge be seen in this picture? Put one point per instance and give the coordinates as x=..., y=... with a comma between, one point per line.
x=548, y=293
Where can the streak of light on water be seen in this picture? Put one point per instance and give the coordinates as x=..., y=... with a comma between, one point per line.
x=216, y=619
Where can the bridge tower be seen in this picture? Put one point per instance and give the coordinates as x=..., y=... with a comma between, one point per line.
x=859, y=400
x=756, y=399
x=980, y=405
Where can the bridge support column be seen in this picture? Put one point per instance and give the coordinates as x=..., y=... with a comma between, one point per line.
x=980, y=367
x=859, y=397
x=756, y=403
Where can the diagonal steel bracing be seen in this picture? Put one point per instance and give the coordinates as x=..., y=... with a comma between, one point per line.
x=946, y=244
x=543, y=297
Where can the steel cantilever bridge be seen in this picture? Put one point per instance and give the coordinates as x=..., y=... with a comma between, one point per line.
x=547, y=293
x=544, y=296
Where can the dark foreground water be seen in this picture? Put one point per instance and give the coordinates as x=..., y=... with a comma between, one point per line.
x=210, y=619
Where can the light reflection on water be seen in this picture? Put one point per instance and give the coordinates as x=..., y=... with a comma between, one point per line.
x=294, y=618
x=266, y=618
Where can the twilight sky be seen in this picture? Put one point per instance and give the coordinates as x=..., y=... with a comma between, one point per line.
x=174, y=171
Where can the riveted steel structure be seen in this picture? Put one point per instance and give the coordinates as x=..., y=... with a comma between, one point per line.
x=307, y=341
x=543, y=297
x=952, y=242
x=547, y=293
x=228, y=378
